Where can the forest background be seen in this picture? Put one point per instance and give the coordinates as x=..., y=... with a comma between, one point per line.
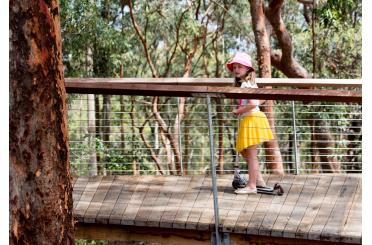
x=126, y=135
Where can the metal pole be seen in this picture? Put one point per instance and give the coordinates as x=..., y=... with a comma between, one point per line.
x=179, y=134
x=294, y=136
x=213, y=169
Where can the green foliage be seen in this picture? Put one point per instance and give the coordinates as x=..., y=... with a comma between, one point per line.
x=337, y=14
x=105, y=29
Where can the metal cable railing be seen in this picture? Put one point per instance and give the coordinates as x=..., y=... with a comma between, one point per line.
x=123, y=135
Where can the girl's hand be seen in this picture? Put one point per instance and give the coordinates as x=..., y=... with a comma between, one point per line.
x=236, y=112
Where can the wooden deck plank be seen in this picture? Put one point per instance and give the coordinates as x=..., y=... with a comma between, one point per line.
x=154, y=188
x=181, y=218
x=80, y=183
x=104, y=212
x=230, y=221
x=109, y=200
x=335, y=223
x=352, y=230
x=293, y=193
x=269, y=219
x=188, y=201
x=205, y=220
x=257, y=217
x=91, y=212
x=293, y=222
x=86, y=199
x=309, y=185
x=117, y=213
x=93, y=183
x=136, y=200
x=174, y=202
x=223, y=217
x=314, y=207
x=287, y=182
x=243, y=221
x=161, y=202
x=128, y=185
x=282, y=220
x=326, y=207
x=193, y=218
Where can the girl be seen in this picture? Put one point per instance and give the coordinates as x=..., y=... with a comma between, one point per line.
x=254, y=127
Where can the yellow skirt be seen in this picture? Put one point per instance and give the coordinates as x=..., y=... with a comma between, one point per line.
x=253, y=129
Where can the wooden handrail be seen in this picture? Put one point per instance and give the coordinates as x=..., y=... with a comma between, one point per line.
x=275, y=82
x=113, y=86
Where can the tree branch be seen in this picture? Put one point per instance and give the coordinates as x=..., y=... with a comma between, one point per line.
x=283, y=60
x=149, y=147
x=143, y=40
x=178, y=27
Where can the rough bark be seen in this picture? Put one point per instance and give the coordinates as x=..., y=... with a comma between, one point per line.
x=283, y=60
x=273, y=155
x=325, y=145
x=40, y=191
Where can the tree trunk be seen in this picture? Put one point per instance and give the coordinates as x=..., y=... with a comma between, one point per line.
x=133, y=139
x=273, y=156
x=326, y=144
x=313, y=37
x=286, y=63
x=40, y=191
x=313, y=152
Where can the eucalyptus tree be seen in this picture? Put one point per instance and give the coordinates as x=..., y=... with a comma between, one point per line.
x=40, y=190
x=191, y=39
x=185, y=28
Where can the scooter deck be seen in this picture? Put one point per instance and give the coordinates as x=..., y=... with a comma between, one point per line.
x=277, y=190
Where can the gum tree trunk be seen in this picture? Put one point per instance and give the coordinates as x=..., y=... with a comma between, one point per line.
x=273, y=155
x=40, y=192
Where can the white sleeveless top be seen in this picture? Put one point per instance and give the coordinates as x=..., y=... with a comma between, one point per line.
x=244, y=102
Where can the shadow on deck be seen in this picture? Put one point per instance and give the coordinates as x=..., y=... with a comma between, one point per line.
x=314, y=209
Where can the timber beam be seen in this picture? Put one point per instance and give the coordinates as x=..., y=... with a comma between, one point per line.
x=94, y=86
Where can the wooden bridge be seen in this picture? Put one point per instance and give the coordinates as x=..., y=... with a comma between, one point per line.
x=314, y=208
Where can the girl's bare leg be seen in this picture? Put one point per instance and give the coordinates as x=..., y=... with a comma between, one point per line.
x=250, y=156
x=260, y=180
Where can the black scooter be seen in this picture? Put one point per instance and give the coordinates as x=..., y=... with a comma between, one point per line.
x=240, y=181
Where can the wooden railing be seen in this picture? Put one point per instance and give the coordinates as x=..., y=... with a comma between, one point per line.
x=219, y=87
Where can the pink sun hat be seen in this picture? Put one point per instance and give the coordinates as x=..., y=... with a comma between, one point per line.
x=240, y=58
